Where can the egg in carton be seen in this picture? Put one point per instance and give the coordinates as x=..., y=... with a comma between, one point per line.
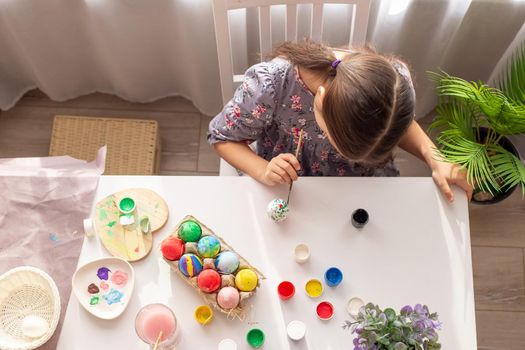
x=204, y=260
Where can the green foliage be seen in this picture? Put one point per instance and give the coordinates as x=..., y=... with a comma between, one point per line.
x=414, y=328
x=464, y=107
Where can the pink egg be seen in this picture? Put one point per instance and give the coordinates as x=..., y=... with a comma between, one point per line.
x=228, y=298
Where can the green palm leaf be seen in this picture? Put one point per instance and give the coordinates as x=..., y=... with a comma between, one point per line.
x=487, y=99
x=508, y=167
x=472, y=156
x=512, y=80
x=452, y=114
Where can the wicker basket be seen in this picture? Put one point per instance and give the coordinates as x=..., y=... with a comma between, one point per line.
x=26, y=291
x=133, y=144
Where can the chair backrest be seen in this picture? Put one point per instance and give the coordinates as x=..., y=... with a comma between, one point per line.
x=357, y=35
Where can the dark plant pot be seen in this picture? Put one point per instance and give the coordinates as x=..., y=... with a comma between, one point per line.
x=505, y=190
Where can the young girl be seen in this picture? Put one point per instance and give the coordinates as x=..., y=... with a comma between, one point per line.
x=353, y=108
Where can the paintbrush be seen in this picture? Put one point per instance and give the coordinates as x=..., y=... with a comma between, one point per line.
x=299, y=144
x=157, y=342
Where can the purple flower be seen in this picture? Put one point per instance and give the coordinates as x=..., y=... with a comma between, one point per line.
x=421, y=310
x=407, y=309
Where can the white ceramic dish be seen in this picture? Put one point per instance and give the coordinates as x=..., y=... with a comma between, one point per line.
x=107, y=274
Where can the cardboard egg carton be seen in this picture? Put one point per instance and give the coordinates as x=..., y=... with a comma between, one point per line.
x=238, y=312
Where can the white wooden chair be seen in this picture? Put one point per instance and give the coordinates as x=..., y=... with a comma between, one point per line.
x=229, y=81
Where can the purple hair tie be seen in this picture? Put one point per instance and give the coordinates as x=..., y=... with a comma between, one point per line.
x=335, y=64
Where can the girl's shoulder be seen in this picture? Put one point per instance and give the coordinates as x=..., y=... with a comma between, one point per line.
x=277, y=67
x=274, y=73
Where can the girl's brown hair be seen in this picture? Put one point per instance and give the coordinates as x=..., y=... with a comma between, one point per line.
x=369, y=101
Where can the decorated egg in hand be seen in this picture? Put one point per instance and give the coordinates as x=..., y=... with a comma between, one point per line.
x=189, y=231
x=209, y=281
x=172, y=248
x=246, y=280
x=228, y=298
x=208, y=246
x=227, y=262
x=190, y=265
x=277, y=210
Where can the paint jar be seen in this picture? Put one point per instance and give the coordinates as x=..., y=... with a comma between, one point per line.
x=255, y=338
x=203, y=314
x=353, y=306
x=89, y=227
x=325, y=310
x=359, y=218
x=314, y=288
x=302, y=253
x=153, y=319
x=333, y=276
x=126, y=205
x=286, y=290
x=296, y=330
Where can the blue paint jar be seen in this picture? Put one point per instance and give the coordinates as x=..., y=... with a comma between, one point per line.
x=333, y=276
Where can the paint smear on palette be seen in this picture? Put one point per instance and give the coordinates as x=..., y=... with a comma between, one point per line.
x=94, y=300
x=104, y=285
x=103, y=273
x=93, y=289
x=137, y=250
x=102, y=215
x=110, y=233
x=114, y=296
x=53, y=237
x=119, y=278
x=110, y=224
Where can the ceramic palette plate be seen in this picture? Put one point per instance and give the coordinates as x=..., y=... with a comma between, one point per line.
x=104, y=286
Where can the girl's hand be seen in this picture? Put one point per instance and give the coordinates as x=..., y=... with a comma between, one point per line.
x=281, y=169
x=446, y=174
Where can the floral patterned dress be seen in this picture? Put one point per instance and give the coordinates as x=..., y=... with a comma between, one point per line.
x=271, y=107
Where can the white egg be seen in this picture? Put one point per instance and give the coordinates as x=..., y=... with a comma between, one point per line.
x=34, y=326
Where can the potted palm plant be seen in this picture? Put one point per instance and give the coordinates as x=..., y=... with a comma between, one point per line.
x=474, y=121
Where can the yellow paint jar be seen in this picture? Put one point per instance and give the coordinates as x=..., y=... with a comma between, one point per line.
x=203, y=314
x=314, y=288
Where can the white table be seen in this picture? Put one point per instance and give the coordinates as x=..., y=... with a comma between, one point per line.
x=415, y=249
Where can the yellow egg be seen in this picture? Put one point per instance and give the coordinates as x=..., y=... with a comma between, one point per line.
x=246, y=280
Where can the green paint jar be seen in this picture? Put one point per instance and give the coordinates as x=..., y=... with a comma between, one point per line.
x=126, y=205
x=255, y=338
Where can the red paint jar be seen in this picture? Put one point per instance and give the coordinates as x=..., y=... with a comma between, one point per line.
x=325, y=310
x=286, y=290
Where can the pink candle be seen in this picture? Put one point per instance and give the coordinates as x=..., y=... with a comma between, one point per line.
x=153, y=319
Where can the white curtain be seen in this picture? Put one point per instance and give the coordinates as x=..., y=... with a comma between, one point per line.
x=145, y=50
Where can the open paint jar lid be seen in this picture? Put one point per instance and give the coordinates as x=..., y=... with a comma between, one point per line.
x=325, y=310
x=296, y=330
x=227, y=344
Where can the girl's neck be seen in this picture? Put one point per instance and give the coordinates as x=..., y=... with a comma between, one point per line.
x=311, y=79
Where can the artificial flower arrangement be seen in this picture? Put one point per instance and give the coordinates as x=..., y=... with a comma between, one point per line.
x=414, y=328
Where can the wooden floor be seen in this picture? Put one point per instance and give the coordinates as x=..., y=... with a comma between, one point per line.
x=497, y=232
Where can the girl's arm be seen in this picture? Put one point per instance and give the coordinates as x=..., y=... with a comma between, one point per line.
x=281, y=169
x=417, y=142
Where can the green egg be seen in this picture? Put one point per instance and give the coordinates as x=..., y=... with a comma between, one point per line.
x=190, y=231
